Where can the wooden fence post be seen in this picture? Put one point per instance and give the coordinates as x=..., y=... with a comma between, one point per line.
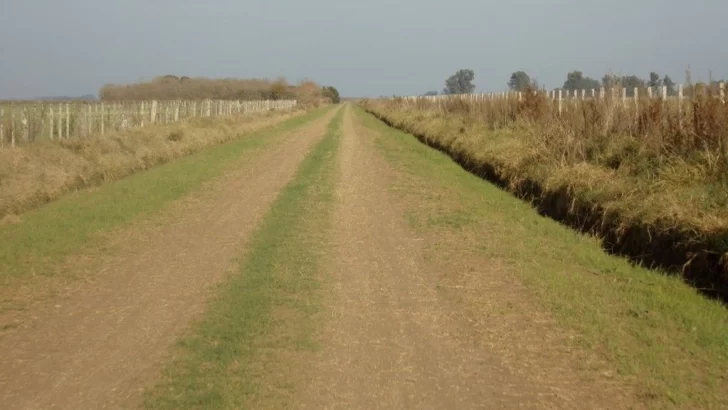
x=88, y=120
x=679, y=104
x=103, y=118
x=52, y=122
x=60, y=122
x=24, y=122
x=559, y=101
x=153, y=112
x=68, y=120
x=636, y=99
x=722, y=92
x=12, y=126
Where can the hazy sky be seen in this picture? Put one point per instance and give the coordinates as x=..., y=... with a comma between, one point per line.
x=364, y=48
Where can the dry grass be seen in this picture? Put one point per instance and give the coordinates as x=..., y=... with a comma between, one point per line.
x=38, y=173
x=649, y=176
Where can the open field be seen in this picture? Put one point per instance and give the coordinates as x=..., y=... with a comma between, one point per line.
x=328, y=260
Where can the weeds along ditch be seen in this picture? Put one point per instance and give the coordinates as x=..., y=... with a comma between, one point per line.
x=649, y=176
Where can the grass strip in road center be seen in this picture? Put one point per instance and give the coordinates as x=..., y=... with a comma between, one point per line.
x=264, y=315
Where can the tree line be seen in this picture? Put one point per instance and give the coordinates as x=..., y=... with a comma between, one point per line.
x=172, y=87
x=462, y=82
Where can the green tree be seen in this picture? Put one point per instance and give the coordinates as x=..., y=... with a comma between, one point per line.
x=520, y=81
x=331, y=93
x=667, y=82
x=575, y=80
x=630, y=82
x=654, y=81
x=460, y=83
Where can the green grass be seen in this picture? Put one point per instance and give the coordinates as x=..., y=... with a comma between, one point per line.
x=664, y=339
x=232, y=358
x=45, y=236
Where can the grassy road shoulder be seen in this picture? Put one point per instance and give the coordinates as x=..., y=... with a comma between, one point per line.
x=40, y=237
x=238, y=354
x=659, y=335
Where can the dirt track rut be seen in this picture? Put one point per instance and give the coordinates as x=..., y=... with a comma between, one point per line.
x=99, y=348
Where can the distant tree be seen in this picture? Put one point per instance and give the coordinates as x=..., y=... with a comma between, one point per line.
x=654, y=81
x=460, y=83
x=575, y=80
x=667, y=82
x=278, y=89
x=520, y=81
x=431, y=93
x=630, y=82
x=331, y=93
x=609, y=81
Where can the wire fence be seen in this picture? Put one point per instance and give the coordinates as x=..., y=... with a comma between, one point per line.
x=25, y=122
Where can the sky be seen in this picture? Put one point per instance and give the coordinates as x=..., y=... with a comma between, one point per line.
x=364, y=48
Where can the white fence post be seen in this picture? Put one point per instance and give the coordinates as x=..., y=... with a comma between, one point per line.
x=12, y=127
x=679, y=103
x=68, y=121
x=24, y=122
x=51, y=122
x=88, y=121
x=60, y=121
x=153, y=113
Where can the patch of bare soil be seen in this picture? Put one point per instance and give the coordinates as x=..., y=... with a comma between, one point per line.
x=399, y=332
x=100, y=345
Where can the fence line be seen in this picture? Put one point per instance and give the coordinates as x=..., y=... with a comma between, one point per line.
x=22, y=122
x=560, y=95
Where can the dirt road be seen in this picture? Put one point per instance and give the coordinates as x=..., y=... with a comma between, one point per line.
x=397, y=327
x=98, y=348
x=389, y=339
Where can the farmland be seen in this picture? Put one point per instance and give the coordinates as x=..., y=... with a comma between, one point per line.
x=523, y=249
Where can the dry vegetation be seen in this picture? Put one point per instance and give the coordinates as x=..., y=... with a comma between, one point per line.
x=649, y=176
x=185, y=88
x=37, y=173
